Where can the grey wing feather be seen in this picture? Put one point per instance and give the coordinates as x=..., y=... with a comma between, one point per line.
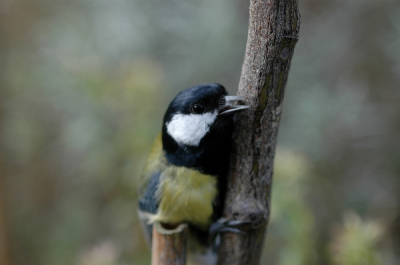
x=146, y=227
x=148, y=204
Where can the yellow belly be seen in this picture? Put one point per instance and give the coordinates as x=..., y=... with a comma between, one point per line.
x=186, y=196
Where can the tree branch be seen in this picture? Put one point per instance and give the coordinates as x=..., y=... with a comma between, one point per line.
x=273, y=32
x=169, y=245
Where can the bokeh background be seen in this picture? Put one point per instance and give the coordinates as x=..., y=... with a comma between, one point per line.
x=83, y=88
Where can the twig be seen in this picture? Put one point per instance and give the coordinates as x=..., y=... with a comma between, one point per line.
x=169, y=245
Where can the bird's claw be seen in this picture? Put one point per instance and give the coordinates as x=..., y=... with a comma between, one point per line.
x=224, y=225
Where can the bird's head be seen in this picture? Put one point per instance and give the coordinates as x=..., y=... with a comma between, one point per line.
x=198, y=110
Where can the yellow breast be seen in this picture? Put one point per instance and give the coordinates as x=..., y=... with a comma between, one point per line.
x=186, y=195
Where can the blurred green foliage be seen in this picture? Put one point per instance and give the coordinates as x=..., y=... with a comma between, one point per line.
x=292, y=232
x=83, y=88
x=355, y=242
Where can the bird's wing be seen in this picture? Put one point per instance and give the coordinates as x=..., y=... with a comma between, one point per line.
x=148, y=204
x=149, y=182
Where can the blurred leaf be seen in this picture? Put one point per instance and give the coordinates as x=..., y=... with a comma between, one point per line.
x=355, y=242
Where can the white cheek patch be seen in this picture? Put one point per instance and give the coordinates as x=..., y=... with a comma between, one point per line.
x=189, y=129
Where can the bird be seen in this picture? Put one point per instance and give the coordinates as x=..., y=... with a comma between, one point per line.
x=184, y=178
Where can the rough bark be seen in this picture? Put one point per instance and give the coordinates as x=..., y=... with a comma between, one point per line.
x=273, y=32
x=169, y=245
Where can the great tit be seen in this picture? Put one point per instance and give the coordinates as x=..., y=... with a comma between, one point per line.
x=184, y=177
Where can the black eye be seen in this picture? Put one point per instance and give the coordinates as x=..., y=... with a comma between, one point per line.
x=197, y=108
x=221, y=101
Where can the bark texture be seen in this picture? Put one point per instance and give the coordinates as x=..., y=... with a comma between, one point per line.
x=273, y=32
x=169, y=245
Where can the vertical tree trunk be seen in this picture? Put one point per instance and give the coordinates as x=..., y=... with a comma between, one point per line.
x=273, y=32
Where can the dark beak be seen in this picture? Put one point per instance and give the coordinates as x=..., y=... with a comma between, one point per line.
x=230, y=106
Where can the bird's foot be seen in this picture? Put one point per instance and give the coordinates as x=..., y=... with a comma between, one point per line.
x=224, y=225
